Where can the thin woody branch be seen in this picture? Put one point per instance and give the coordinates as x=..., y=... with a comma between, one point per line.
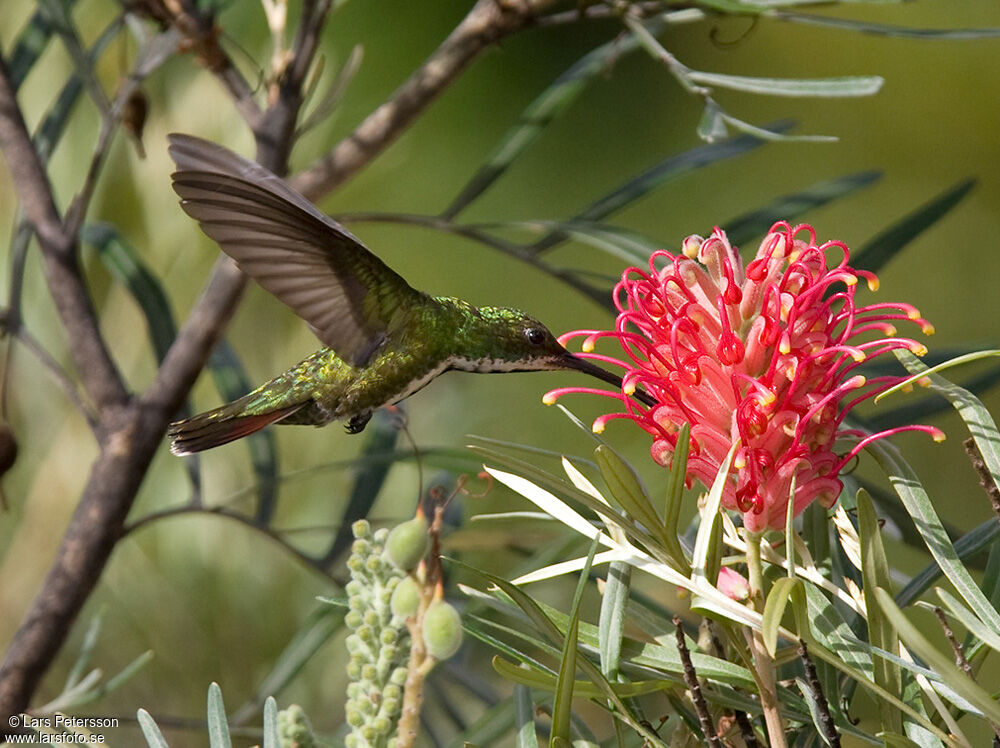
x=91, y=358
x=487, y=22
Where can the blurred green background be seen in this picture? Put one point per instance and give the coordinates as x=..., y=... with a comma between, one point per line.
x=216, y=601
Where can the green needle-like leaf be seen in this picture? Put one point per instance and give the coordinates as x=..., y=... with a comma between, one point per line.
x=882, y=248
x=774, y=610
x=218, y=725
x=756, y=223
x=663, y=172
x=875, y=574
x=154, y=738
x=271, y=737
x=861, y=85
x=524, y=718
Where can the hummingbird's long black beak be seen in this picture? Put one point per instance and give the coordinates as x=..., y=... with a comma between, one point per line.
x=569, y=361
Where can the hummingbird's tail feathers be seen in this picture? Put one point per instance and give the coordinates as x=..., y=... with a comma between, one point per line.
x=221, y=426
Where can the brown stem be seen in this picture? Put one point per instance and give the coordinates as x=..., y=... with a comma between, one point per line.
x=694, y=686
x=983, y=471
x=816, y=691
x=91, y=358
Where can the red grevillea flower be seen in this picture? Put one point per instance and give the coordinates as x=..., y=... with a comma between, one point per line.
x=767, y=355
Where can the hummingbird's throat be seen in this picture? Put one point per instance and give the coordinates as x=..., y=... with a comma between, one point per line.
x=488, y=365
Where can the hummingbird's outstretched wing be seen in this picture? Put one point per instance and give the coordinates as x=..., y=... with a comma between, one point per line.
x=309, y=261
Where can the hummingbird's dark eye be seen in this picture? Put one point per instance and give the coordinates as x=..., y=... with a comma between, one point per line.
x=535, y=336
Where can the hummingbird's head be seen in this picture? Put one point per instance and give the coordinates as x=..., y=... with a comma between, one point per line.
x=514, y=341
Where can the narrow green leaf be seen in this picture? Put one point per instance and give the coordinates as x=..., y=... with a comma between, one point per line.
x=317, y=629
x=154, y=738
x=875, y=574
x=883, y=247
x=712, y=125
x=756, y=223
x=545, y=109
x=895, y=740
x=86, y=648
x=126, y=266
x=667, y=170
x=271, y=737
x=973, y=542
x=524, y=718
x=774, y=609
x=30, y=44
x=563, y=706
x=232, y=382
x=674, y=498
x=710, y=528
x=611, y=624
x=53, y=124
x=546, y=682
x=770, y=136
x=882, y=29
x=218, y=725
x=941, y=663
x=849, y=86
x=625, y=487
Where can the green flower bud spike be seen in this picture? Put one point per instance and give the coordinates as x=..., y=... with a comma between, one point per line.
x=379, y=643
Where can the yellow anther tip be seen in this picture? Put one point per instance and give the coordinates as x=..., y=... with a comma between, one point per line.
x=629, y=388
x=549, y=399
x=851, y=280
x=927, y=329
x=588, y=346
x=919, y=349
x=598, y=427
x=873, y=284
x=858, y=356
x=940, y=436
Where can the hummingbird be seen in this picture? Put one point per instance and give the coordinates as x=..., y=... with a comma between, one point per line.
x=384, y=339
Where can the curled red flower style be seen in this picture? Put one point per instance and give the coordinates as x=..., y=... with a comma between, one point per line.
x=767, y=355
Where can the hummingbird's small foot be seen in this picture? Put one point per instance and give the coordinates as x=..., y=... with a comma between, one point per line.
x=357, y=423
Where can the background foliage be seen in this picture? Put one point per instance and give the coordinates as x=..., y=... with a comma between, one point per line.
x=215, y=601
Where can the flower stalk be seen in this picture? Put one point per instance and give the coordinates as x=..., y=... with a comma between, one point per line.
x=764, y=668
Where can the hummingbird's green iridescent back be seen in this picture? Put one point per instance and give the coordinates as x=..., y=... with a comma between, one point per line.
x=385, y=340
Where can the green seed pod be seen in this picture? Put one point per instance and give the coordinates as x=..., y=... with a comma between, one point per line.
x=371, y=618
x=369, y=672
x=354, y=619
x=405, y=598
x=390, y=706
x=392, y=691
x=408, y=543
x=380, y=535
x=352, y=741
x=353, y=670
x=366, y=634
x=369, y=733
x=389, y=636
x=354, y=588
x=442, y=630
x=375, y=565
x=361, y=529
x=382, y=725
x=355, y=718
